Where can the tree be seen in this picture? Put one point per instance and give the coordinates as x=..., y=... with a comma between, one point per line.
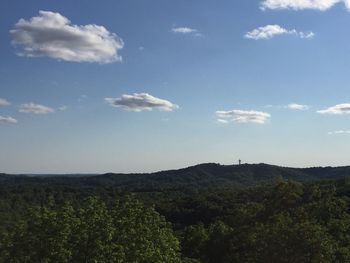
x=43, y=235
x=143, y=235
x=128, y=232
x=93, y=234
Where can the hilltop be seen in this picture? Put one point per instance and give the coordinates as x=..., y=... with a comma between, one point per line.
x=206, y=175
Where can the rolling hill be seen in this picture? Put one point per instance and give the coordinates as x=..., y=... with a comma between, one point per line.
x=209, y=175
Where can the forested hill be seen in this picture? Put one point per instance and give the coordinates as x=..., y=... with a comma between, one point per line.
x=203, y=175
x=200, y=214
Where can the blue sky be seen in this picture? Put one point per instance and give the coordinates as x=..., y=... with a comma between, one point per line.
x=138, y=86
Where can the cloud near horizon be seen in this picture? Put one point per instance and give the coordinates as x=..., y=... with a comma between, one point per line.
x=53, y=35
x=241, y=116
x=35, y=108
x=337, y=109
x=270, y=31
x=141, y=102
x=296, y=106
x=338, y=132
x=321, y=5
x=4, y=102
x=7, y=119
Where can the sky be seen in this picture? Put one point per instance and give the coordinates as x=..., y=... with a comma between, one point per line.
x=141, y=86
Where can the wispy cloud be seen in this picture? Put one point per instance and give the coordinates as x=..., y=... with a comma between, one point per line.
x=270, y=31
x=62, y=108
x=321, y=5
x=337, y=109
x=4, y=103
x=7, y=119
x=338, y=132
x=53, y=35
x=307, y=35
x=186, y=31
x=296, y=106
x=241, y=116
x=35, y=108
x=141, y=102
x=222, y=121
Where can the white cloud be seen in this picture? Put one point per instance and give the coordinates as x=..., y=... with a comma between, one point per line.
x=337, y=109
x=307, y=35
x=141, y=102
x=7, y=119
x=339, y=132
x=183, y=30
x=222, y=121
x=35, y=108
x=269, y=31
x=295, y=106
x=4, y=102
x=242, y=116
x=62, y=108
x=321, y=5
x=53, y=35
x=266, y=32
x=186, y=31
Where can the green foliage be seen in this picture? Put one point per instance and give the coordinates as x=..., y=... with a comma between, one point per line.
x=93, y=234
x=289, y=223
x=128, y=232
x=195, y=239
x=42, y=236
x=95, y=220
x=148, y=235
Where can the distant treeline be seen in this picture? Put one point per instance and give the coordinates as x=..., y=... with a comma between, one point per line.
x=200, y=176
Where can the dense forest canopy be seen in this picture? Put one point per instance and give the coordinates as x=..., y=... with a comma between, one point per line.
x=118, y=218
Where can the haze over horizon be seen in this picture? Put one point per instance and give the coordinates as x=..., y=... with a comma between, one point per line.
x=130, y=86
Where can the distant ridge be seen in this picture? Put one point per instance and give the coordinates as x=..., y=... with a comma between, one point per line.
x=202, y=175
